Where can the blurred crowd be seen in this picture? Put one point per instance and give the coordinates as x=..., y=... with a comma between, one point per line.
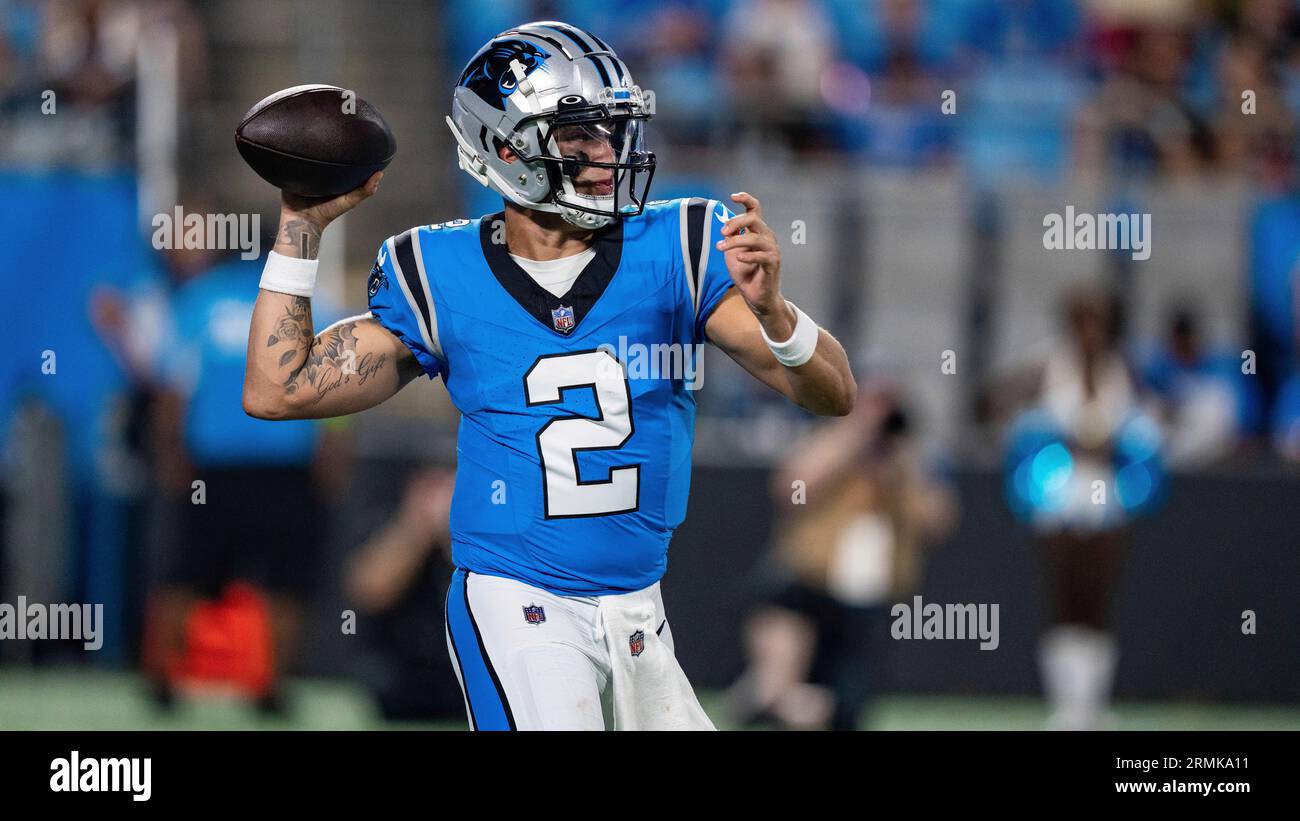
x=70, y=74
x=1045, y=87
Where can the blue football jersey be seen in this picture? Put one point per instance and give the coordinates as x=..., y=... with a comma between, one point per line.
x=577, y=418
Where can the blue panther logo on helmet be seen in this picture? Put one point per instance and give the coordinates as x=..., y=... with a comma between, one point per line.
x=489, y=76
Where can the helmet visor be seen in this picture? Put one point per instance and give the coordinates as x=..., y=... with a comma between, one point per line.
x=600, y=166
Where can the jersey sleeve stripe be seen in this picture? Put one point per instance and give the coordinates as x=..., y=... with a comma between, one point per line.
x=683, y=221
x=435, y=345
x=705, y=245
x=697, y=225
x=399, y=251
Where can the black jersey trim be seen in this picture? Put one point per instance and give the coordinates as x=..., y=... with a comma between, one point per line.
x=538, y=301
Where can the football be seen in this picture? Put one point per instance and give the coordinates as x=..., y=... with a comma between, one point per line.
x=315, y=140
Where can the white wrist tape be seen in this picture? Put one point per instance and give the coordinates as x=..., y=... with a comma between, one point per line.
x=289, y=275
x=801, y=345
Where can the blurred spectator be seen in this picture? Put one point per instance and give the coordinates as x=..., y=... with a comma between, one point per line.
x=1273, y=263
x=1020, y=86
x=398, y=581
x=1245, y=139
x=1273, y=23
x=675, y=61
x=81, y=387
x=1067, y=476
x=864, y=509
x=1204, y=399
x=1139, y=123
x=884, y=87
x=776, y=53
x=900, y=123
x=87, y=53
x=1286, y=420
x=994, y=30
x=250, y=495
x=867, y=33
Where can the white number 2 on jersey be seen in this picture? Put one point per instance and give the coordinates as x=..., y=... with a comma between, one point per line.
x=561, y=440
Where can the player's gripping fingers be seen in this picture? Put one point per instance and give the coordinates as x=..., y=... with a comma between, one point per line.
x=765, y=258
x=747, y=222
x=751, y=203
x=365, y=191
x=751, y=240
x=321, y=211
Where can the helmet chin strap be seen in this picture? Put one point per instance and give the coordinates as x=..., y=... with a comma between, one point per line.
x=582, y=219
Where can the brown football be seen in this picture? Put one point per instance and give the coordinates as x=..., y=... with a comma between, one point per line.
x=315, y=140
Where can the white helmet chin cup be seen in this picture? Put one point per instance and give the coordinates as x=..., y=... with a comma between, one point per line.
x=585, y=219
x=530, y=80
x=599, y=210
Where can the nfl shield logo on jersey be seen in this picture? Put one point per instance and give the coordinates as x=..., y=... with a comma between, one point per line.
x=636, y=642
x=534, y=614
x=562, y=319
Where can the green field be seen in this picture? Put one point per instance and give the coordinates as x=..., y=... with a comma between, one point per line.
x=94, y=700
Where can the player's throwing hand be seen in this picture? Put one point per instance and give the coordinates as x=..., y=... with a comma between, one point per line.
x=753, y=258
x=324, y=210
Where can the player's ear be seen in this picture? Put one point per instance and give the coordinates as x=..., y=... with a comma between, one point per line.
x=504, y=151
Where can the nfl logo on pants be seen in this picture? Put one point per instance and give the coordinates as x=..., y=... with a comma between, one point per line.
x=636, y=642
x=533, y=614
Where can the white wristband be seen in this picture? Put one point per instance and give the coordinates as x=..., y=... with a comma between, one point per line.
x=289, y=275
x=801, y=345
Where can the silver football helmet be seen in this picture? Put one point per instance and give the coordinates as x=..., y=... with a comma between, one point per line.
x=567, y=108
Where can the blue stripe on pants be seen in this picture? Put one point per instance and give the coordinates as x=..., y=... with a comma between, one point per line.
x=488, y=707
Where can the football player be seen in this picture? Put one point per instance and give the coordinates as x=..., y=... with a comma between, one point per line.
x=573, y=469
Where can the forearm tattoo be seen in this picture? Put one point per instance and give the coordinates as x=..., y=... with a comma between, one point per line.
x=294, y=327
x=331, y=359
x=302, y=235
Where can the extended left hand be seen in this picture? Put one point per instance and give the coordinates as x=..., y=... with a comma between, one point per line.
x=753, y=258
